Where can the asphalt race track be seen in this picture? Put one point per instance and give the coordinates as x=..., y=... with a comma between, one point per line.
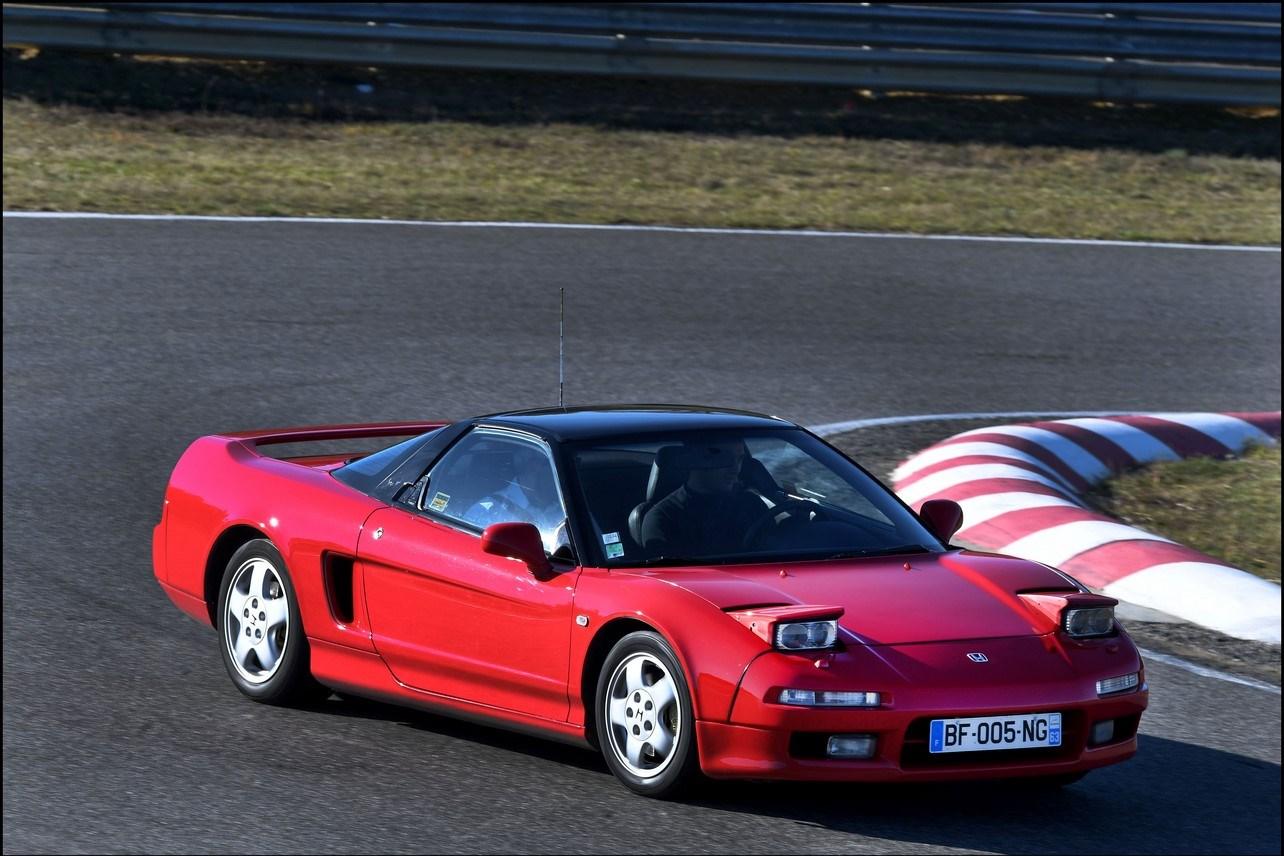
x=123, y=341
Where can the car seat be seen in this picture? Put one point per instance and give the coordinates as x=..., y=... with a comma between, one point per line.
x=669, y=472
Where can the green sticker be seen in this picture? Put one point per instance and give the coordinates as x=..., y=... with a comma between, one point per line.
x=614, y=551
x=439, y=501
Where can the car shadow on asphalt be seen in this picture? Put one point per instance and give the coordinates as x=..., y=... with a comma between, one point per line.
x=1173, y=797
x=447, y=726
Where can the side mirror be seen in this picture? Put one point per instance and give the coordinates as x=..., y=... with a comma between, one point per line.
x=943, y=517
x=519, y=541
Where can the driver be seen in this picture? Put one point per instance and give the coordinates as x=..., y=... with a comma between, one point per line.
x=711, y=512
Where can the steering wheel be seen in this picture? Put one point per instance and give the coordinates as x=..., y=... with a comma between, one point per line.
x=789, y=506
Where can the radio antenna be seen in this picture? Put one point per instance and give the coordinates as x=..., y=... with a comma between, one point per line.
x=561, y=347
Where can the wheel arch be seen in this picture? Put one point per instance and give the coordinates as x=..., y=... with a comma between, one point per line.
x=712, y=649
x=225, y=546
x=595, y=657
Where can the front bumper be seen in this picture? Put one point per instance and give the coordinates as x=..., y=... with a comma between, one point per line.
x=768, y=740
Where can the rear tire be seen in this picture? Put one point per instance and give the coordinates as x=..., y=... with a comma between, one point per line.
x=645, y=719
x=260, y=632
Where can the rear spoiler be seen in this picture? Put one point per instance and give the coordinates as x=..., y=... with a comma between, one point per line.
x=316, y=433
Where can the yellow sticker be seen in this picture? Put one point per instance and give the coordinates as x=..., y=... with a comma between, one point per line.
x=439, y=501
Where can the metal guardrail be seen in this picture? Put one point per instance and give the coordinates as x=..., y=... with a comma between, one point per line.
x=1213, y=53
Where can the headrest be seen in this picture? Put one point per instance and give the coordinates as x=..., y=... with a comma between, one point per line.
x=756, y=476
x=668, y=472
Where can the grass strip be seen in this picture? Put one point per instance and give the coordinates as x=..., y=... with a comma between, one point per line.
x=1229, y=509
x=90, y=157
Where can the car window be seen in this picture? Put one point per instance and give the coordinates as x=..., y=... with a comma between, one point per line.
x=799, y=474
x=493, y=476
x=726, y=496
x=366, y=472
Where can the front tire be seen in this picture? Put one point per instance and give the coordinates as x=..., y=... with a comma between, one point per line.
x=260, y=633
x=645, y=719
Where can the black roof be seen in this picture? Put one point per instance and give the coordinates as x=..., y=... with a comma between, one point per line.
x=591, y=422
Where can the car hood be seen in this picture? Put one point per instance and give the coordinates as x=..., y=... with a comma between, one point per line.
x=939, y=597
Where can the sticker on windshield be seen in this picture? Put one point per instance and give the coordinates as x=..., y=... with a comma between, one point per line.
x=611, y=538
x=439, y=501
x=614, y=551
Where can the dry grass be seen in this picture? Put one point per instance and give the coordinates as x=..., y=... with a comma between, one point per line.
x=1228, y=509
x=70, y=158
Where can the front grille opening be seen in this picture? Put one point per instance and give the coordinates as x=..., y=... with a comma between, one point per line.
x=814, y=745
x=1125, y=729
x=809, y=745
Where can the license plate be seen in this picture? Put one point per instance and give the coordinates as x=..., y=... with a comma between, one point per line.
x=984, y=733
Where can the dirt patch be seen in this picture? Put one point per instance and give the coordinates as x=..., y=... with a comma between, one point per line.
x=882, y=448
x=1259, y=660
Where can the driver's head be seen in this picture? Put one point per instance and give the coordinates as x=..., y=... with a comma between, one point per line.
x=714, y=467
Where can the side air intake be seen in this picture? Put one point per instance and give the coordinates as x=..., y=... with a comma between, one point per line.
x=337, y=570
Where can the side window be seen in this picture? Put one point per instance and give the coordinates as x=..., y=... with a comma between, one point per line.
x=497, y=477
x=365, y=473
x=802, y=475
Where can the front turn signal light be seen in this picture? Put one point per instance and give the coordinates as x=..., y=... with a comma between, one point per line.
x=1118, y=685
x=829, y=698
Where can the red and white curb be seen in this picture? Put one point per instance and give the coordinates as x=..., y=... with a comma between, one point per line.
x=1020, y=485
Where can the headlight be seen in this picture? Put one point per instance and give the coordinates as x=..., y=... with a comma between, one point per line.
x=792, y=627
x=1090, y=621
x=806, y=635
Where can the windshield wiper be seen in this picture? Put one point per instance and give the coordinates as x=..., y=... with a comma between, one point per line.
x=656, y=561
x=882, y=551
x=663, y=561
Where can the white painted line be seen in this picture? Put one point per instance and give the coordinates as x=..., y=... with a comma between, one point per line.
x=1143, y=446
x=853, y=424
x=981, y=509
x=1231, y=431
x=1205, y=672
x=954, y=476
x=1056, y=545
x=937, y=454
x=1077, y=458
x=605, y=227
x=1226, y=599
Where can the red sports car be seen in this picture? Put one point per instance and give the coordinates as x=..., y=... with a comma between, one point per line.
x=687, y=589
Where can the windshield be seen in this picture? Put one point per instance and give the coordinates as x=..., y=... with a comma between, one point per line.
x=721, y=497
